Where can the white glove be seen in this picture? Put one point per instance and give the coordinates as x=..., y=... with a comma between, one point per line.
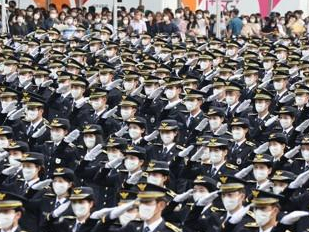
x=114, y=163
x=93, y=78
x=186, y=151
x=11, y=77
x=156, y=93
x=271, y=120
x=183, y=196
x=61, y=88
x=235, y=77
x=10, y=170
x=244, y=172
x=221, y=130
x=210, y=76
x=243, y=106
x=206, y=88
x=3, y=155
x=293, y=217
x=266, y=186
x=303, y=126
x=238, y=216
x=79, y=104
x=134, y=178
x=110, y=112
x=290, y=154
x=122, y=131
x=197, y=155
x=208, y=199
x=264, y=83
x=137, y=91
x=300, y=180
x=72, y=136
x=46, y=83
x=39, y=132
x=93, y=153
x=287, y=98
x=202, y=125
x=52, y=75
x=10, y=107
x=17, y=114
x=41, y=184
x=113, y=84
x=117, y=211
x=101, y=213
x=60, y=210
x=262, y=148
x=191, y=62
x=171, y=105
x=214, y=96
x=152, y=136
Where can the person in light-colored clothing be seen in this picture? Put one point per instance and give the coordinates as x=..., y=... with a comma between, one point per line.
x=138, y=25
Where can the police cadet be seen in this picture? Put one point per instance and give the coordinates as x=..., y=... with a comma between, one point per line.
x=137, y=130
x=25, y=76
x=11, y=210
x=9, y=101
x=251, y=78
x=241, y=152
x=42, y=82
x=10, y=71
x=280, y=82
x=82, y=199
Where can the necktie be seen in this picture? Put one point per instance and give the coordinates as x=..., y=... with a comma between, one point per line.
x=30, y=129
x=146, y=229
x=213, y=171
x=57, y=204
x=77, y=226
x=228, y=110
x=190, y=120
x=235, y=147
x=164, y=150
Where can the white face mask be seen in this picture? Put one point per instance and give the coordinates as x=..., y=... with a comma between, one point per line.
x=38, y=81
x=267, y=65
x=125, y=114
x=278, y=86
x=93, y=49
x=280, y=56
x=260, y=107
x=89, y=142
x=216, y=91
x=13, y=161
x=260, y=174
x=275, y=150
x=167, y=138
x=157, y=50
x=191, y=105
x=4, y=143
x=134, y=133
x=300, y=101
x=126, y=217
x=293, y=70
x=130, y=164
x=128, y=86
x=28, y=173
x=148, y=90
x=60, y=188
x=80, y=210
x=64, y=87
x=104, y=79
x=230, y=203
x=113, y=156
x=56, y=136
x=215, y=157
x=154, y=180
x=31, y=115
x=6, y=70
x=285, y=123
x=205, y=155
x=249, y=81
x=6, y=220
x=170, y=93
x=145, y=42
x=305, y=52
x=96, y=104
x=305, y=154
x=23, y=80
x=109, y=53
x=278, y=189
x=216, y=63
x=204, y=65
x=262, y=217
x=214, y=124
x=230, y=100
x=199, y=195
x=238, y=134
x=146, y=212
x=76, y=93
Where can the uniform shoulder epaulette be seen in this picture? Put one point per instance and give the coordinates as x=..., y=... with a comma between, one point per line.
x=156, y=144
x=71, y=145
x=45, y=121
x=145, y=174
x=215, y=209
x=20, y=179
x=251, y=214
x=250, y=143
x=302, y=159
x=252, y=114
x=123, y=170
x=69, y=217
x=49, y=194
x=251, y=181
x=251, y=225
x=231, y=166
x=172, y=227
x=49, y=141
x=180, y=147
x=80, y=146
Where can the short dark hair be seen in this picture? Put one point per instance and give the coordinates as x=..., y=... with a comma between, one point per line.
x=235, y=11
